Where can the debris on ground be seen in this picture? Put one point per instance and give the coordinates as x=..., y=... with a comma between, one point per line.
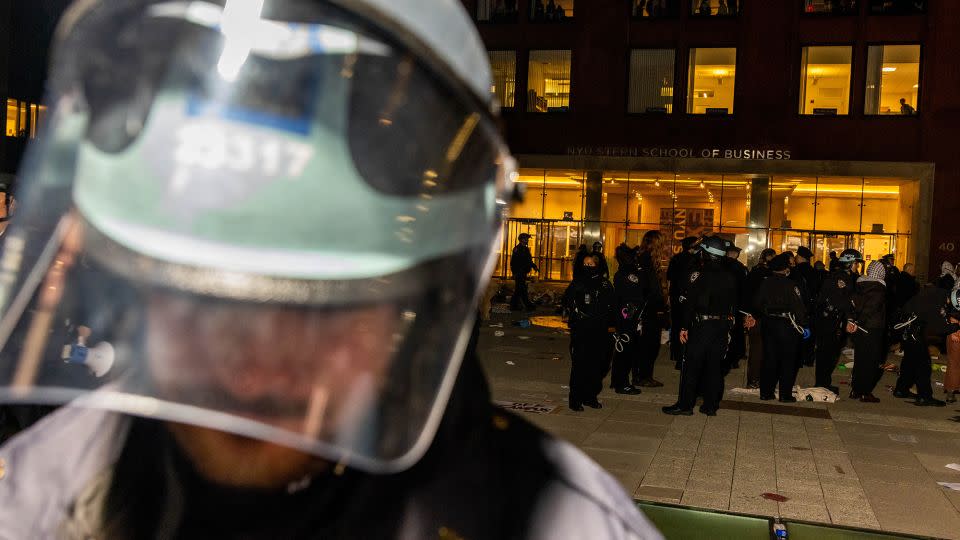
x=890, y=367
x=839, y=469
x=954, y=466
x=950, y=485
x=524, y=323
x=535, y=408
x=774, y=497
x=497, y=325
x=510, y=363
x=523, y=337
x=499, y=333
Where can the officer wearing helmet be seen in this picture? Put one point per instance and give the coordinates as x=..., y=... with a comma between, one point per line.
x=707, y=309
x=832, y=309
x=779, y=305
x=279, y=214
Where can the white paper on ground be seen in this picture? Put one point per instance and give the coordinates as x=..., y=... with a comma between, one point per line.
x=954, y=466
x=950, y=485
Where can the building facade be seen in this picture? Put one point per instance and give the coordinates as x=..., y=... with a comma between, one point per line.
x=823, y=123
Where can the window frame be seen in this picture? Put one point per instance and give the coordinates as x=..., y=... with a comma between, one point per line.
x=853, y=71
x=516, y=76
x=918, y=111
x=526, y=85
x=676, y=86
x=688, y=86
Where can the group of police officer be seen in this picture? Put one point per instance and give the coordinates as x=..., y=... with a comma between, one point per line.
x=794, y=313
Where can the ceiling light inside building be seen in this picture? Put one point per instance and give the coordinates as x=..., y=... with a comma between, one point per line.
x=889, y=69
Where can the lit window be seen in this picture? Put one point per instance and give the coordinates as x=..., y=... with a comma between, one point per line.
x=551, y=10
x=714, y=8
x=497, y=10
x=825, y=80
x=504, y=67
x=651, y=81
x=893, y=79
x=712, y=80
x=833, y=7
x=548, y=81
x=12, y=116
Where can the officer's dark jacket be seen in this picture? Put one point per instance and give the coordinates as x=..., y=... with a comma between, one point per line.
x=637, y=292
x=930, y=307
x=678, y=272
x=907, y=287
x=739, y=273
x=756, y=277
x=809, y=282
x=589, y=303
x=869, y=305
x=711, y=291
x=521, y=262
x=835, y=294
x=779, y=294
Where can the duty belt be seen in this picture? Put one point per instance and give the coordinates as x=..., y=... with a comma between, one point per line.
x=702, y=318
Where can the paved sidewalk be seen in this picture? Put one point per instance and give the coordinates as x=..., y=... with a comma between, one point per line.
x=848, y=463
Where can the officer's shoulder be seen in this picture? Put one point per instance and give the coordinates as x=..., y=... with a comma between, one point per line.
x=580, y=499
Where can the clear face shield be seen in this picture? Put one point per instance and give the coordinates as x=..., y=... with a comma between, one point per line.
x=269, y=220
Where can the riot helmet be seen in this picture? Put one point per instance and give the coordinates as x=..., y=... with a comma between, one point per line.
x=850, y=256
x=278, y=213
x=713, y=246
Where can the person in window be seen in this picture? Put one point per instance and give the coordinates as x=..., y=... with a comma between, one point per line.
x=906, y=109
x=704, y=9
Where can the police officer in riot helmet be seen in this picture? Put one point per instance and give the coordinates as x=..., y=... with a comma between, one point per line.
x=678, y=272
x=779, y=305
x=925, y=320
x=589, y=305
x=707, y=309
x=832, y=310
x=275, y=217
x=866, y=323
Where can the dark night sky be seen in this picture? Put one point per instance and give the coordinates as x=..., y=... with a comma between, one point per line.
x=33, y=24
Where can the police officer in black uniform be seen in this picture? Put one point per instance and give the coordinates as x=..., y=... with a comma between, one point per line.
x=678, y=272
x=779, y=304
x=832, y=309
x=758, y=273
x=927, y=318
x=738, y=339
x=706, y=317
x=521, y=262
x=632, y=290
x=589, y=304
x=653, y=320
x=807, y=280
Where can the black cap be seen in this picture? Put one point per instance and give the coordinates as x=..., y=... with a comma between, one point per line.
x=769, y=252
x=730, y=246
x=780, y=262
x=805, y=252
x=523, y=236
x=688, y=242
x=887, y=257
